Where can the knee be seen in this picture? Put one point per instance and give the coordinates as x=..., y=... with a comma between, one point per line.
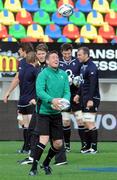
x=66, y=123
x=58, y=144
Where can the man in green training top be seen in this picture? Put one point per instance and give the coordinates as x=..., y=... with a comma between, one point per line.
x=51, y=86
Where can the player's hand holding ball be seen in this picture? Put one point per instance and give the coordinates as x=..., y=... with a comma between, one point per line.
x=60, y=104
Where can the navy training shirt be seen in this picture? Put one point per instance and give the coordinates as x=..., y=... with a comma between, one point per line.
x=27, y=77
x=89, y=87
x=73, y=69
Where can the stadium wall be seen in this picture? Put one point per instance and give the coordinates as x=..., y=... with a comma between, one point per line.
x=106, y=121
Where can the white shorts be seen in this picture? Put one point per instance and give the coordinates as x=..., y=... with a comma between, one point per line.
x=23, y=120
x=19, y=117
x=78, y=115
x=66, y=116
x=88, y=117
x=20, y=120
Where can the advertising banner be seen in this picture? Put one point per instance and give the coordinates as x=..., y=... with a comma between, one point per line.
x=106, y=122
x=103, y=55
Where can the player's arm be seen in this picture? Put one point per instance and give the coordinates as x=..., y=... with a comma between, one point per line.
x=13, y=85
x=93, y=82
x=67, y=93
x=41, y=88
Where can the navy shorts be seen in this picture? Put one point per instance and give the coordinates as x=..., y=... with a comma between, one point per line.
x=92, y=109
x=26, y=109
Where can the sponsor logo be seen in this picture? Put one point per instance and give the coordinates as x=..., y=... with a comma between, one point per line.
x=105, y=65
x=105, y=59
x=107, y=121
x=8, y=64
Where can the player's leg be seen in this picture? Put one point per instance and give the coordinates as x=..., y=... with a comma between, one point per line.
x=89, y=115
x=56, y=140
x=60, y=157
x=91, y=132
x=81, y=127
x=42, y=128
x=66, y=116
x=26, y=117
x=34, y=138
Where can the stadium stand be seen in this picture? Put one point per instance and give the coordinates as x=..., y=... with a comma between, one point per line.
x=64, y=39
x=35, y=31
x=113, y=5
x=71, y=31
x=89, y=31
x=3, y=31
x=101, y=5
x=53, y=31
x=99, y=39
x=30, y=5
x=61, y=2
x=58, y=19
x=41, y=17
x=24, y=17
x=17, y=30
x=48, y=5
x=9, y=39
x=111, y=18
x=1, y=5
x=96, y=17
x=78, y=18
x=82, y=40
x=7, y=17
x=106, y=31
x=83, y=5
x=12, y=5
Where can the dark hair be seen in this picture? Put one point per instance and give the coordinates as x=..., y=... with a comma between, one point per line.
x=51, y=52
x=85, y=50
x=66, y=47
x=31, y=57
x=26, y=47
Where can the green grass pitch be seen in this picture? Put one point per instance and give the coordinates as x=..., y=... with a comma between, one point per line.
x=106, y=157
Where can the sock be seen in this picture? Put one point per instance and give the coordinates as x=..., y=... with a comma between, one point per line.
x=33, y=142
x=67, y=134
x=61, y=155
x=94, y=136
x=37, y=155
x=81, y=132
x=26, y=145
x=87, y=137
x=51, y=153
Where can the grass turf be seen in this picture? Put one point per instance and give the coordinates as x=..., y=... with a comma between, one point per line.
x=106, y=157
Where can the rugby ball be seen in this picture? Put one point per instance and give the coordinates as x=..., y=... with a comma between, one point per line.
x=65, y=104
x=77, y=81
x=65, y=10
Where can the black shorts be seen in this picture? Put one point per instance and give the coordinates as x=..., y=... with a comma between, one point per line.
x=75, y=107
x=50, y=125
x=26, y=110
x=92, y=109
